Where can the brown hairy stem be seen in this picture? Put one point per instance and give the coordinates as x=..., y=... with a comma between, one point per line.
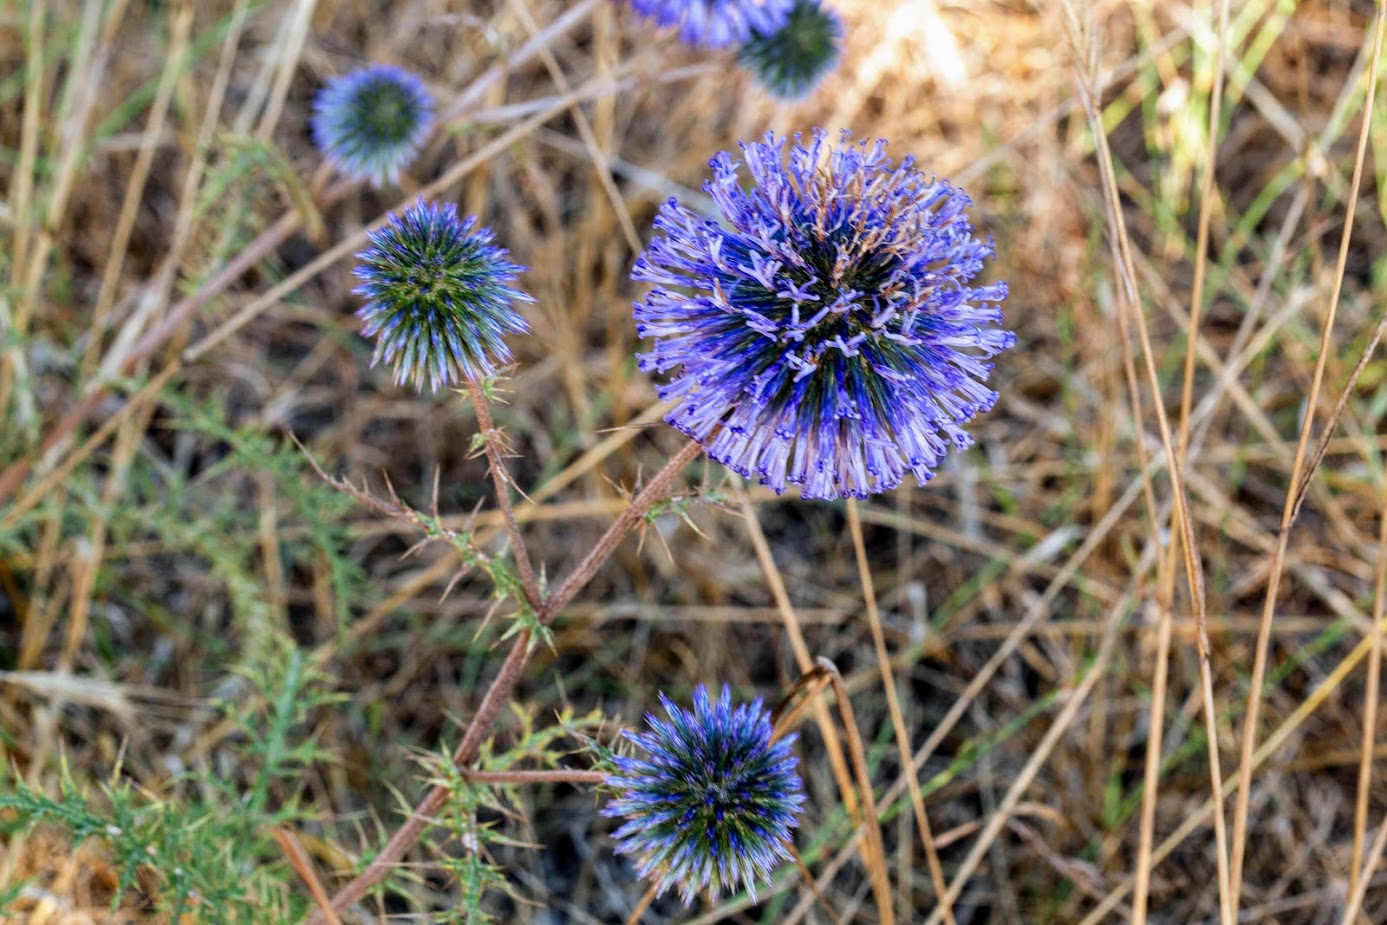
x=554, y=776
x=643, y=905
x=500, y=476
x=499, y=692
x=654, y=490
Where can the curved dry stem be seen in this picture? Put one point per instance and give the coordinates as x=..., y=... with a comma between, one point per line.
x=888, y=682
x=1130, y=301
x=1166, y=578
x=833, y=744
x=1288, y=511
x=875, y=855
x=1370, y=697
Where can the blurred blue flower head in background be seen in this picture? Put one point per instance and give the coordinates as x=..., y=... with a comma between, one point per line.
x=824, y=332
x=370, y=123
x=438, y=296
x=712, y=802
x=716, y=23
x=792, y=59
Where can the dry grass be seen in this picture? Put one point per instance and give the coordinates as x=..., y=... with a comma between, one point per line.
x=176, y=276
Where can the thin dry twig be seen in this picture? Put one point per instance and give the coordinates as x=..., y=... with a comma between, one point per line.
x=888, y=682
x=1200, y=817
x=875, y=851
x=804, y=661
x=1356, y=870
x=1130, y=300
x=1166, y=576
x=1298, y=475
x=302, y=865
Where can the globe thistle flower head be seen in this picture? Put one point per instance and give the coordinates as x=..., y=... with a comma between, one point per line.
x=825, y=332
x=438, y=296
x=792, y=59
x=716, y=23
x=712, y=802
x=370, y=123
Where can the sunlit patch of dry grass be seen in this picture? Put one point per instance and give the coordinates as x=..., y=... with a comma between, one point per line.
x=1017, y=592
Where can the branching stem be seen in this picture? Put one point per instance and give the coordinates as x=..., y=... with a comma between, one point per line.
x=500, y=477
x=499, y=692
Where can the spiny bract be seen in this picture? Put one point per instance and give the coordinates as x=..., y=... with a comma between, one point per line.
x=438, y=296
x=712, y=803
x=716, y=23
x=370, y=123
x=823, y=333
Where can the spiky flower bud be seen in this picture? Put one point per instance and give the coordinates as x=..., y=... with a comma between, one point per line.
x=712, y=802
x=438, y=296
x=716, y=23
x=824, y=333
x=790, y=60
x=370, y=123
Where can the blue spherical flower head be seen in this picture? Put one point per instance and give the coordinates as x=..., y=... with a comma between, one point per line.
x=824, y=334
x=792, y=59
x=716, y=23
x=712, y=802
x=438, y=296
x=370, y=123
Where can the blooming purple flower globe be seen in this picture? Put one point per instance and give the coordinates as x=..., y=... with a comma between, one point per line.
x=824, y=333
x=438, y=296
x=712, y=802
x=370, y=123
x=716, y=23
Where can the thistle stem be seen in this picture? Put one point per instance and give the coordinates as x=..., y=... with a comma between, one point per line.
x=643, y=905
x=500, y=477
x=555, y=776
x=655, y=490
x=499, y=692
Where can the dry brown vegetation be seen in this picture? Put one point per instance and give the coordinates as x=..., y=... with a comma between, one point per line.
x=158, y=532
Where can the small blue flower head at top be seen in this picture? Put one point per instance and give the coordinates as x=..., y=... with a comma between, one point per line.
x=438, y=296
x=716, y=23
x=790, y=60
x=824, y=333
x=370, y=123
x=712, y=802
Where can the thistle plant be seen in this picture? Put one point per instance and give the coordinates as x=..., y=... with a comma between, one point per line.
x=712, y=803
x=370, y=123
x=793, y=58
x=716, y=23
x=438, y=296
x=824, y=332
